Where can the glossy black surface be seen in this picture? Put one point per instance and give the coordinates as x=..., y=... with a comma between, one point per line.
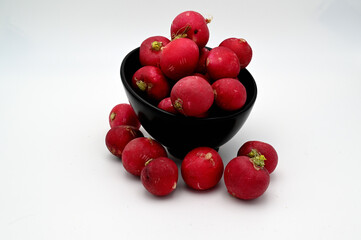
x=181, y=134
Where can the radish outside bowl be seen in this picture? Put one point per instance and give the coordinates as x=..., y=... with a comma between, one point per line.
x=178, y=133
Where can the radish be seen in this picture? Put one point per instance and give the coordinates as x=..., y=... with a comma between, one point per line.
x=151, y=81
x=258, y=148
x=119, y=136
x=160, y=176
x=166, y=105
x=246, y=178
x=222, y=63
x=138, y=151
x=179, y=58
x=192, y=25
x=192, y=96
x=150, y=49
x=202, y=168
x=242, y=49
x=229, y=94
x=123, y=114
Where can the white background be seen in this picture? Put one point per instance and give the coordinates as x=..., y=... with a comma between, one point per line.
x=59, y=79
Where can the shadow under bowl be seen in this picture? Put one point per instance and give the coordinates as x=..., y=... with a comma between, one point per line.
x=178, y=133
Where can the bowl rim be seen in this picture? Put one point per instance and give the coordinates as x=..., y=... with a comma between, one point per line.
x=129, y=88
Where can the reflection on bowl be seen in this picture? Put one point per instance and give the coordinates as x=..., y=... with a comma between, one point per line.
x=178, y=133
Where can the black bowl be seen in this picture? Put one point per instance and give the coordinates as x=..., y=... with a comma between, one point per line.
x=178, y=133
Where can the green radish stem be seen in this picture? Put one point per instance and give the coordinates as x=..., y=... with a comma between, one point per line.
x=257, y=159
x=112, y=116
x=146, y=163
x=178, y=104
x=181, y=33
x=156, y=46
x=141, y=85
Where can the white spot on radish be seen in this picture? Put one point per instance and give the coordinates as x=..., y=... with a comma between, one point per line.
x=215, y=93
x=208, y=156
x=174, y=185
x=150, y=85
x=171, y=68
x=183, y=61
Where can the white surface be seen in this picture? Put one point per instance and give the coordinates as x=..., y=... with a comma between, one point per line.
x=59, y=78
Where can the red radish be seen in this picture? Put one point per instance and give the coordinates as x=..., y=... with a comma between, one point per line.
x=202, y=168
x=152, y=82
x=258, y=149
x=150, y=49
x=119, y=136
x=192, y=25
x=242, y=49
x=246, y=178
x=123, y=114
x=222, y=63
x=179, y=58
x=160, y=176
x=138, y=151
x=201, y=67
x=229, y=94
x=192, y=96
x=166, y=105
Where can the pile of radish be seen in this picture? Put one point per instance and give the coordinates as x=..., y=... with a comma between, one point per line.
x=184, y=77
